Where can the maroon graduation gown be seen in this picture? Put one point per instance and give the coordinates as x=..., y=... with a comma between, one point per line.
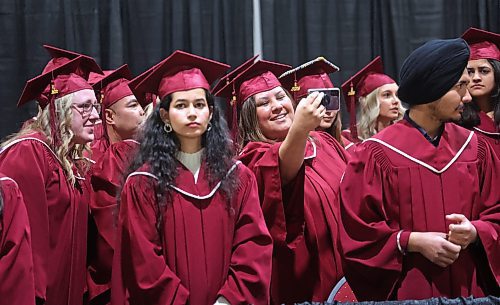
x=302, y=217
x=488, y=131
x=98, y=148
x=199, y=251
x=397, y=180
x=17, y=284
x=106, y=180
x=58, y=214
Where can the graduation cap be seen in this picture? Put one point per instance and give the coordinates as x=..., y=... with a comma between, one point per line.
x=228, y=77
x=144, y=98
x=259, y=77
x=61, y=56
x=363, y=83
x=181, y=71
x=310, y=75
x=112, y=86
x=482, y=44
x=54, y=83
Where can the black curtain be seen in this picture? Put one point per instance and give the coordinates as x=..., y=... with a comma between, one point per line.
x=142, y=32
x=137, y=32
x=351, y=33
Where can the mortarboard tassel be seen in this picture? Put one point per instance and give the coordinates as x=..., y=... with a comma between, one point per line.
x=352, y=112
x=234, y=116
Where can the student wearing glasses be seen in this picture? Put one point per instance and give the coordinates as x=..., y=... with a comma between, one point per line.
x=45, y=159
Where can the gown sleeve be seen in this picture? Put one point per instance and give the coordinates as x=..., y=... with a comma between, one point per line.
x=16, y=261
x=367, y=236
x=488, y=222
x=106, y=180
x=28, y=163
x=283, y=212
x=143, y=267
x=250, y=266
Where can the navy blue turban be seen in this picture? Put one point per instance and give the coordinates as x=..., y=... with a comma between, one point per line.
x=432, y=70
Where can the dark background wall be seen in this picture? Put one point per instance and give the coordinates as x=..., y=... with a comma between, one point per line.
x=142, y=32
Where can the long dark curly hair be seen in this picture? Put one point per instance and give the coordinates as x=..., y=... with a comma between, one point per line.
x=158, y=150
x=470, y=115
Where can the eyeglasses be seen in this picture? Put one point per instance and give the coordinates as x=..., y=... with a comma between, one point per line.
x=86, y=109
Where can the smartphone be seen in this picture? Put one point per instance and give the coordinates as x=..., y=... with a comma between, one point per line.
x=331, y=99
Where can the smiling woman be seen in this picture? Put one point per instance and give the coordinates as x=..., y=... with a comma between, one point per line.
x=298, y=171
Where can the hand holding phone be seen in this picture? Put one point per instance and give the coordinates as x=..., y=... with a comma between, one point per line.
x=331, y=98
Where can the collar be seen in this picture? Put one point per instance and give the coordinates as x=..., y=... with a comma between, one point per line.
x=434, y=141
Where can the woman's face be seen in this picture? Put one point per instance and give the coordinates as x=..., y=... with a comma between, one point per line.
x=189, y=115
x=274, y=113
x=482, y=78
x=84, y=117
x=389, y=102
x=328, y=119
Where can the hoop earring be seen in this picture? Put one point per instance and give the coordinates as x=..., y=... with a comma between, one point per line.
x=209, y=126
x=167, y=127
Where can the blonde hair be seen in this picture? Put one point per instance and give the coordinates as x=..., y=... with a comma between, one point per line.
x=369, y=112
x=66, y=153
x=148, y=110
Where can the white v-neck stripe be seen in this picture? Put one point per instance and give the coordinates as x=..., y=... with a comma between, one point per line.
x=487, y=132
x=314, y=150
x=212, y=192
x=131, y=140
x=349, y=146
x=9, y=179
x=77, y=176
x=30, y=138
x=457, y=155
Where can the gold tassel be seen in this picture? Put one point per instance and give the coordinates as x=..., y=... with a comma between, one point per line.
x=351, y=92
x=53, y=89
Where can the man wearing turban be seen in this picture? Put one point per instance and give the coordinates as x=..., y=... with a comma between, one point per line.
x=420, y=210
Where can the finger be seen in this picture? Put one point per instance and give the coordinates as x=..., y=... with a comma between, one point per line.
x=456, y=218
x=317, y=100
x=455, y=240
x=321, y=111
x=442, y=235
x=443, y=261
x=311, y=97
x=451, y=247
x=463, y=228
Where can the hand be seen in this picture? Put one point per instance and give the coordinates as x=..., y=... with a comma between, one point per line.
x=462, y=231
x=309, y=112
x=434, y=247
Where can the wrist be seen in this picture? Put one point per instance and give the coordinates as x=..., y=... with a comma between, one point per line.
x=414, y=242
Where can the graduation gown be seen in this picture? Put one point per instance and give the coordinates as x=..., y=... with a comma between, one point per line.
x=397, y=180
x=98, y=148
x=17, y=284
x=346, y=134
x=302, y=217
x=200, y=250
x=106, y=179
x=58, y=214
x=487, y=130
